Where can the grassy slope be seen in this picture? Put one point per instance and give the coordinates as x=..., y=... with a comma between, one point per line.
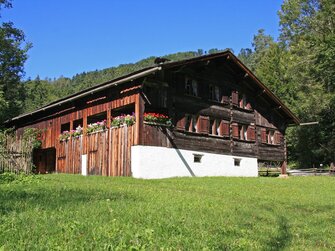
x=68, y=212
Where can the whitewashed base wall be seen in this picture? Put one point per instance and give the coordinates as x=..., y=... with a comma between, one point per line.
x=149, y=162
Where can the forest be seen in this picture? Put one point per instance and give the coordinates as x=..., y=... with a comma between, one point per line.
x=298, y=66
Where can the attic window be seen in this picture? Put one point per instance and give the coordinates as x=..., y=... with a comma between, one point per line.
x=197, y=158
x=237, y=162
x=191, y=86
x=214, y=93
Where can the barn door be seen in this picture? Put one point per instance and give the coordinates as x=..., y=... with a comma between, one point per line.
x=97, y=153
x=119, y=156
x=45, y=160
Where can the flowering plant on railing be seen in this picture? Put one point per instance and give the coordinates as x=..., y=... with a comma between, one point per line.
x=123, y=119
x=77, y=132
x=157, y=118
x=65, y=135
x=95, y=127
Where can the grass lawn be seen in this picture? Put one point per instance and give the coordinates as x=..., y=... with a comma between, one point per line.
x=71, y=212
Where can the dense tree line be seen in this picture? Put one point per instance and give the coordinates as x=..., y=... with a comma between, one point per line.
x=13, y=54
x=299, y=68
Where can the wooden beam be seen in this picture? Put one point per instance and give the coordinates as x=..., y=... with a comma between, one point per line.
x=139, y=111
x=283, y=168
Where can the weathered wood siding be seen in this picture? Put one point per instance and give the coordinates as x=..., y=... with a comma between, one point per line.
x=108, y=153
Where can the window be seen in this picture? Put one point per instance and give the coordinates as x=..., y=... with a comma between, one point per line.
x=97, y=118
x=194, y=126
x=191, y=86
x=77, y=123
x=191, y=123
x=214, y=93
x=219, y=127
x=65, y=127
x=243, y=102
x=237, y=162
x=197, y=158
x=270, y=136
x=244, y=132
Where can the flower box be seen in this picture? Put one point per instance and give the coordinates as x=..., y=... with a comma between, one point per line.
x=157, y=119
x=123, y=120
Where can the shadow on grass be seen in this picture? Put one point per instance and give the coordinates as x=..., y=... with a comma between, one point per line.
x=283, y=237
x=53, y=199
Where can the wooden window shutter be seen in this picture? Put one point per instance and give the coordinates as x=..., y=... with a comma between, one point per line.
x=225, y=128
x=263, y=135
x=234, y=97
x=235, y=130
x=251, y=133
x=277, y=138
x=181, y=123
x=225, y=99
x=248, y=106
x=220, y=125
x=281, y=138
x=203, y=124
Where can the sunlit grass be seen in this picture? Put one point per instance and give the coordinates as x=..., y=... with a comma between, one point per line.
x=70, y=212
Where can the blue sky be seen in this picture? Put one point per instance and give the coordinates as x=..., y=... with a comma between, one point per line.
x=73, y=36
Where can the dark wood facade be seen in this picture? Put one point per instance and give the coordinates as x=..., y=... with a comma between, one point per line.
x=216, y=105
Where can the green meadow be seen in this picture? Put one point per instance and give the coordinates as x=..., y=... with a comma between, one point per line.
x=72, y=212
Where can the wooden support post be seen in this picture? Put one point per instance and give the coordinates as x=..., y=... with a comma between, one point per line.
x=71, y=124
x=283, y=168
x=84, y=132
x=108, y=116
x=284, y=164
x=108, y=136
x=139, y=111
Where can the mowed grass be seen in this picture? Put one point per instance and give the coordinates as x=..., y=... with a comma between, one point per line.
x=72, y=212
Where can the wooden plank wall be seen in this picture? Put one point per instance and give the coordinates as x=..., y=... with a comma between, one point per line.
x=108, y=153
x=120, y=142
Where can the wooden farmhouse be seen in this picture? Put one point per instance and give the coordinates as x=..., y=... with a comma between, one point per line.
x=204, y=116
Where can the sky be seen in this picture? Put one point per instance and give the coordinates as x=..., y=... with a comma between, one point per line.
x=71, y=37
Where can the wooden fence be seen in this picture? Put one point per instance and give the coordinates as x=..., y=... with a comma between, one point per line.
x=311, y=172
x=108, y=152
x=16, y=154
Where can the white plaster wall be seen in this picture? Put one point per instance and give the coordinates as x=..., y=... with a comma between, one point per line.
x=150, y=162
